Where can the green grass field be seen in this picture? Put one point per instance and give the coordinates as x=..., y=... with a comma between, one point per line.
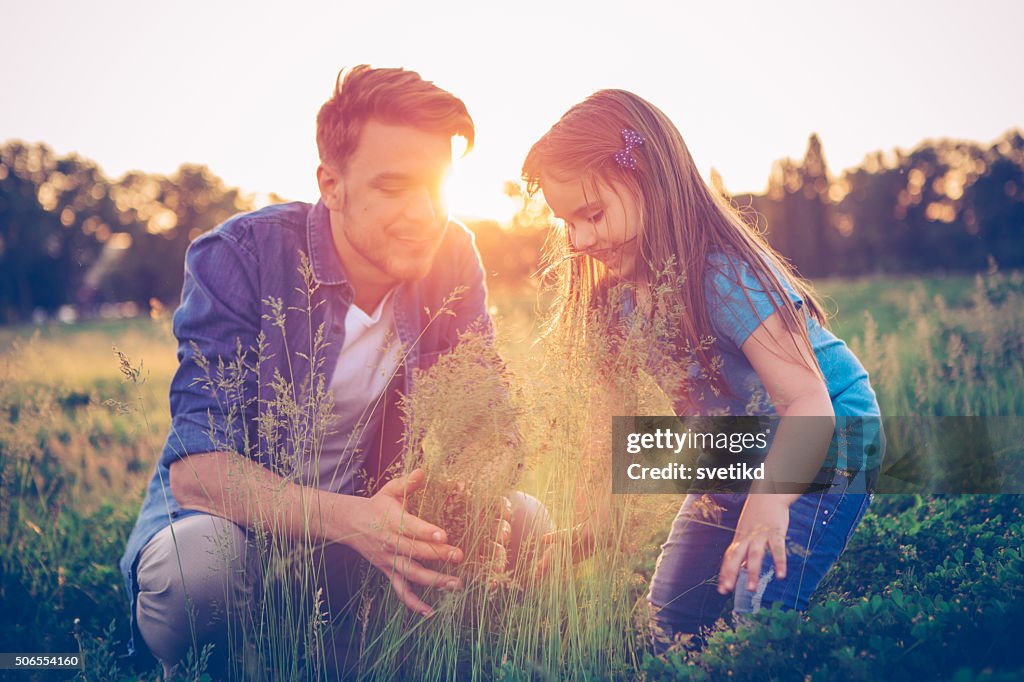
x=931, y=586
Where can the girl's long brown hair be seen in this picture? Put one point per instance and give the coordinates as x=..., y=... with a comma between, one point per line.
x=682, y=221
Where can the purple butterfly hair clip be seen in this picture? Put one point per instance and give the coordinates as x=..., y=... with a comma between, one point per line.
x=624, y=157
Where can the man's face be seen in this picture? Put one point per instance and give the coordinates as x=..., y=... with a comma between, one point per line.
x=388, y=215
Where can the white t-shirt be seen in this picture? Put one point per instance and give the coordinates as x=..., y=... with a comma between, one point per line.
x=366, y=364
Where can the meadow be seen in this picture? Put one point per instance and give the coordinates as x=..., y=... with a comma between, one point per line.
x=931, y=586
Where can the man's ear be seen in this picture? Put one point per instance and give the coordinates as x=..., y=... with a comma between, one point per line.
x=332, y=186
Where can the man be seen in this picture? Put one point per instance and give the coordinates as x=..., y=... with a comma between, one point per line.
x=340, y=297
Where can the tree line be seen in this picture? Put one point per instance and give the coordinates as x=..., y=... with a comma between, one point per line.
x=945, y=205
x=70, y=235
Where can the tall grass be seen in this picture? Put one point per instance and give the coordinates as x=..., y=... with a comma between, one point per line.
x=943, y=360
x=67, y=463
x=72, y=469
x=471, y=426
x=568, y=624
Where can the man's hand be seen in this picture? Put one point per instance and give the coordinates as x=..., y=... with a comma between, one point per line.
x=763, y=523
x=394, y=541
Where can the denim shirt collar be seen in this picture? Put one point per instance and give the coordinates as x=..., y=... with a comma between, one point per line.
x=323, y=256
x=328, y=270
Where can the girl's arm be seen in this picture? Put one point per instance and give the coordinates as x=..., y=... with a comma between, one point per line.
x=786, y=367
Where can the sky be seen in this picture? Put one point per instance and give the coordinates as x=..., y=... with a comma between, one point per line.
x=236, y=86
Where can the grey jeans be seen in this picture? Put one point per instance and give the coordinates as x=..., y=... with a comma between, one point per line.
x=198, y=580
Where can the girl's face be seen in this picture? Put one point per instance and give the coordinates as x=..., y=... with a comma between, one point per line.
x=603, y=221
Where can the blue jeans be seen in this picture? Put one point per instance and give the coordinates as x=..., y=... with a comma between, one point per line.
x=684, y=597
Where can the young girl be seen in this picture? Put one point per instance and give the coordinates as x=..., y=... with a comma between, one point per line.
x=616, y=171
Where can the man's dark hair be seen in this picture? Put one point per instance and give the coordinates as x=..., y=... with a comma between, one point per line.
x=391, y=96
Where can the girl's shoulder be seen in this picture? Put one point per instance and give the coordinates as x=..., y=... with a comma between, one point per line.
x=727, y=271
x=738, y=300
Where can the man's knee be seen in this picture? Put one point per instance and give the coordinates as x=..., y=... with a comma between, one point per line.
x=194, y=580
x=530, y=521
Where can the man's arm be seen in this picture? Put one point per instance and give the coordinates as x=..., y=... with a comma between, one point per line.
x=234, y=487
x=219, y=317
x=378, y=528
x=220, y=313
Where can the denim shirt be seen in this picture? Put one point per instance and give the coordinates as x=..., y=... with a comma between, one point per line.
x=231, y=275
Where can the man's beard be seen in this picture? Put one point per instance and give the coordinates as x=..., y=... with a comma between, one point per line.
x=372, y=247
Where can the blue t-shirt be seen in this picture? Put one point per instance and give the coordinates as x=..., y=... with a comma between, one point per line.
x=727, y=286
x=737, y=305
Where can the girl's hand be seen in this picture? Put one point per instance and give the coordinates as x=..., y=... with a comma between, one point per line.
x=580, y=538
x=763, y=523
x=490, y=531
